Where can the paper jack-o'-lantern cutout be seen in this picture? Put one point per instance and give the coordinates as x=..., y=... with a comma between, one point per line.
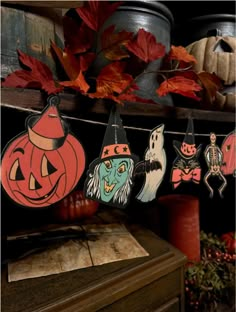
x=154, y=165
x=186, y=167
x=228, y=149
x=218, y=55
x=214, y=158
x=110, y=177
x=43, y=165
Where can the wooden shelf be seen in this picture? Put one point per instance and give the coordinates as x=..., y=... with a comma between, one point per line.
x=48, y=4
x=33, y=99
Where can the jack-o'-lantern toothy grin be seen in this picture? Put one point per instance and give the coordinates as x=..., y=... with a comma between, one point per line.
x=108, y=188
x=44, y=197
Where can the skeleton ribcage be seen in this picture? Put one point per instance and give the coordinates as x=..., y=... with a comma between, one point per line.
x=214, y=156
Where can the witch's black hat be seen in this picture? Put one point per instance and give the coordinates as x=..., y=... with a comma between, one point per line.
x=115, y=143
x=187, y=149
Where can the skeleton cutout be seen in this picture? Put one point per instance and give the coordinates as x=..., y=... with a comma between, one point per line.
x=214, y=160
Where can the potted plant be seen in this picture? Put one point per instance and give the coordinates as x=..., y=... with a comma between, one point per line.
x=128, y=54
x=210, y=282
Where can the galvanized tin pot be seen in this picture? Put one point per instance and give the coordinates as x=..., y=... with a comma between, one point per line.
x=154, y=17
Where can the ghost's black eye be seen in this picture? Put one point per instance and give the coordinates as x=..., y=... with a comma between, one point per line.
x=47, y=167
x=15, y=172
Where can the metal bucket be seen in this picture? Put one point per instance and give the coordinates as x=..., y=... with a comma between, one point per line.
x=155, y=18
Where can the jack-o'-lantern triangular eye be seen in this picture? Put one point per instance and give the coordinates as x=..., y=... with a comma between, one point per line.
x=15, y=172
x=47, y=167
x=222, y=46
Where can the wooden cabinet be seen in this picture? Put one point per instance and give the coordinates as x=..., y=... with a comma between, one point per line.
x=150, y=283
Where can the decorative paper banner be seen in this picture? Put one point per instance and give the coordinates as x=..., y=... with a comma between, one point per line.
x=42, y=165
x=214, y=157
x=154, y=165
x=186, y=167
x=110, y=177
x=228, y=149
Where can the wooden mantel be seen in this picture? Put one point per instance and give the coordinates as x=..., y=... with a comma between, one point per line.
x=33, y=99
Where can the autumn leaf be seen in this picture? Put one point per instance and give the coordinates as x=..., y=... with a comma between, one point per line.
x=113, y=43
x=211, y=84
x=68, y=61
x=180, y=85
x=95, y=13
x=180, y=54
x=112, y=79
x=80, y=39
x=145, y=46
x=38, y=76
x=78, y=84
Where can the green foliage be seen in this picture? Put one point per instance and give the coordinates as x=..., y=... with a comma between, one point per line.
x=211, y=280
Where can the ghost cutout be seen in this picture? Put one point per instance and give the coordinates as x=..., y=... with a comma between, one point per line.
x=110, y=176
x=153, y=166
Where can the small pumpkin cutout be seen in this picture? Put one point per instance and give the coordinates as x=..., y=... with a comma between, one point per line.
x=218, y=55
x=41, y=166
x=228, y=149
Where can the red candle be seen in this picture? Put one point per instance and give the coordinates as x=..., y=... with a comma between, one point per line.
x=183, y=223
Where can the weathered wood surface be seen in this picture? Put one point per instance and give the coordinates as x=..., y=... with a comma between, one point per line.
x=138, y=284
x=26, y=98
x=30, y=31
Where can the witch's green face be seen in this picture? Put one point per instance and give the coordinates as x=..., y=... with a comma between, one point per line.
x=113, y=174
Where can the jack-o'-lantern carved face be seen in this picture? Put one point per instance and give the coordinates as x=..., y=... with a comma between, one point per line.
x=37, y=173
x=36, y=178
x=218, y=55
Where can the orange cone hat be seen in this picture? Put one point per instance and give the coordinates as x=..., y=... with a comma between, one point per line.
x=48, y=131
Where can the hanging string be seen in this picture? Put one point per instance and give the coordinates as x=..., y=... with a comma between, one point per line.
x=30, y=110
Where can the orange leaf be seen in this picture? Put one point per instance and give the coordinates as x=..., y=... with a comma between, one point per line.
x=112, y=79
x=112, y=43
x=80, y=39
x=39, y=76
x=180, y=54
x=68, y=61
x=146, y=47
x=78, y=84
x=211, y=84
x=94, y=13
x=180, y=85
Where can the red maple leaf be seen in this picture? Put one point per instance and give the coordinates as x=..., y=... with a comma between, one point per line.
x=39, y=76
x=180, y=54
x=80, y=39
x=113, y=43
x=113, y=79
x=211, y=84
x=94, y=13
x=68, y=61
x=78, y=84
x=146, y=47
x=181, y=85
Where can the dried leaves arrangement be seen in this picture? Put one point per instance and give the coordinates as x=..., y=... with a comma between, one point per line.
x=124, y=51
